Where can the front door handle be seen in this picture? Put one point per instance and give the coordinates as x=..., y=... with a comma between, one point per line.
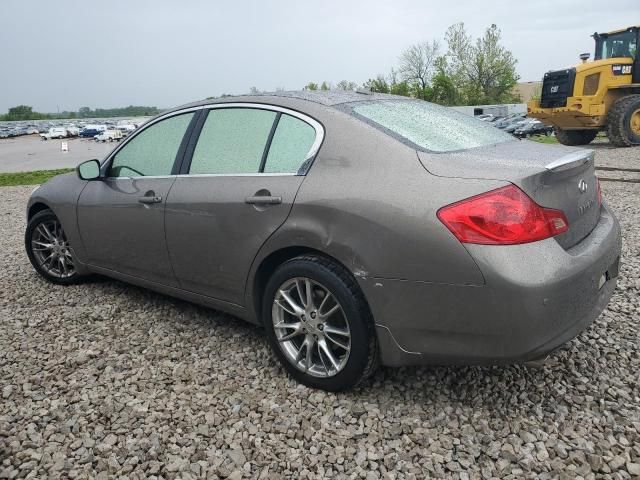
x=150, y=199
x=263, y=200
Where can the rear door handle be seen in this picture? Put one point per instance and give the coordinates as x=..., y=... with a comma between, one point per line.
x=263, y=200
x=151, y=199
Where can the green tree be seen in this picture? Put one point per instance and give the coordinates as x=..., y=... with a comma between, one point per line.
x=84, y=112
x=311, y=86
x=483, y=72
x=417, y=66
x=443, y=89
x=325, y=86
x=396, y=86
x=346, y=85
x=21, y=112
x=378, y=84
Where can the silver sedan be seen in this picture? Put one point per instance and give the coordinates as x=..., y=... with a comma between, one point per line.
x=357, y=228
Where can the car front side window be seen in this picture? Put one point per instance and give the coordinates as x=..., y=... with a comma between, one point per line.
x=153, y=151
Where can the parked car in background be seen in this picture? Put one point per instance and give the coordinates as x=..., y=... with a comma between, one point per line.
x=54, y=132
x=485, y=117
x=511, y=127
x=356, y=228
x=509, y=119
x=90, y=131
x=73, y=131
x=532, y=127
x=109, y=136
x=126, y=128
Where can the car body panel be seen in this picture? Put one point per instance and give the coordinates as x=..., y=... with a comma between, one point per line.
x=525, y=310
x=369, y=201
x=60, y=194
x=120, y=233
x=213, y=234
x=529, y=166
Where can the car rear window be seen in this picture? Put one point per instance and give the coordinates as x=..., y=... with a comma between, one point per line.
x=429, y=127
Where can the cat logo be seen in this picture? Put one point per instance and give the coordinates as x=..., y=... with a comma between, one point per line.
x=555, y=88
x=621, y=69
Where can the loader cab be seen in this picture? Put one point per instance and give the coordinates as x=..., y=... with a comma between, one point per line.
x=620, y=44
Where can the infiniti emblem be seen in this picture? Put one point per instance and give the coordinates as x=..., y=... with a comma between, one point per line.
x=582, y=186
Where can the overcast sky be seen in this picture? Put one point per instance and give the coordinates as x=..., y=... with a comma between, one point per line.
x=65, y=54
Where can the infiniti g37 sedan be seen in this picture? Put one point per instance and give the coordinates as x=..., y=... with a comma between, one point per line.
x=358, y=229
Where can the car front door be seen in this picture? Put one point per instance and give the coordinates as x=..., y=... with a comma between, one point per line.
x=237, y=186
x=121, y=216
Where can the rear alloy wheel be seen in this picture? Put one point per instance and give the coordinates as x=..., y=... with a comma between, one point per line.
x=48, y=249
x=623, y=128
x=319, y=324
x=575, y=137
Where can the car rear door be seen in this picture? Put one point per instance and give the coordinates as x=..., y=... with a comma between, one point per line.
x=242, y=170
x=121, y=216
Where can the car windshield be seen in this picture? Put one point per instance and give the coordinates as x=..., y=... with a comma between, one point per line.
x=619, y=45
x=430, y=127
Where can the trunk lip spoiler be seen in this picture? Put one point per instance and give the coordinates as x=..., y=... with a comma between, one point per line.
x=571, y=160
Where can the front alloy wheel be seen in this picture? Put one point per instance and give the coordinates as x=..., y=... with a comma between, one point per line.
x=49, y=250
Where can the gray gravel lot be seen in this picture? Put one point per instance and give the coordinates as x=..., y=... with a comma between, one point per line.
x=106, y=380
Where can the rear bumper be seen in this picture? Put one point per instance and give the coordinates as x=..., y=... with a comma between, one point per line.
x=536, y=297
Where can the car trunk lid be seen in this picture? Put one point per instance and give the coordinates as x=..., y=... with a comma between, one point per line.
x=553, y=176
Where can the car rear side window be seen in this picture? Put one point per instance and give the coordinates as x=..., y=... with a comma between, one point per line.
x=429, y=127
x=290, y=146
x=153, y=151
x=232, y=141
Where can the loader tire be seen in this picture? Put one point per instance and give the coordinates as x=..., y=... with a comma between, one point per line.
x=623, y=125
x=575, y=137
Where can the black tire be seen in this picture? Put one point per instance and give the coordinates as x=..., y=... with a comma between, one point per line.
x=38, y=219
x=363, y=356
x=575, y=137
x=620, y=128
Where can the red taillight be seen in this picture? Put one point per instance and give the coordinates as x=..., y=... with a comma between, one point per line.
x=506, y=216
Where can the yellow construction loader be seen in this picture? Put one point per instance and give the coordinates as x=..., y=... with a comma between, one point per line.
x=603, y=94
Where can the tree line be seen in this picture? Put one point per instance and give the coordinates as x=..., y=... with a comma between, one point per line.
x=466, y=72
x=25, y=112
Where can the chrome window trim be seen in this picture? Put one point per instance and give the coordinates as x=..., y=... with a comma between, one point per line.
x=258, y=174
x=111, y=179
x=205, y=175
x=315, y=147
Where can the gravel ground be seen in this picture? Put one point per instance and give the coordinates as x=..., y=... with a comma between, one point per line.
x=106, y=380
x=609, y=156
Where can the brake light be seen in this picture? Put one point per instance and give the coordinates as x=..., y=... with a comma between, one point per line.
x=506, y=216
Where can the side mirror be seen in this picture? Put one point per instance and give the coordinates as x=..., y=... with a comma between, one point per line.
x=89, y=170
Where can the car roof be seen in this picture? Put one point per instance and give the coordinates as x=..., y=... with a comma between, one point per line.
x=328, y=98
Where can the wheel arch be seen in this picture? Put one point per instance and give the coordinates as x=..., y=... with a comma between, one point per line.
x=268, y=265
x=37, y=207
